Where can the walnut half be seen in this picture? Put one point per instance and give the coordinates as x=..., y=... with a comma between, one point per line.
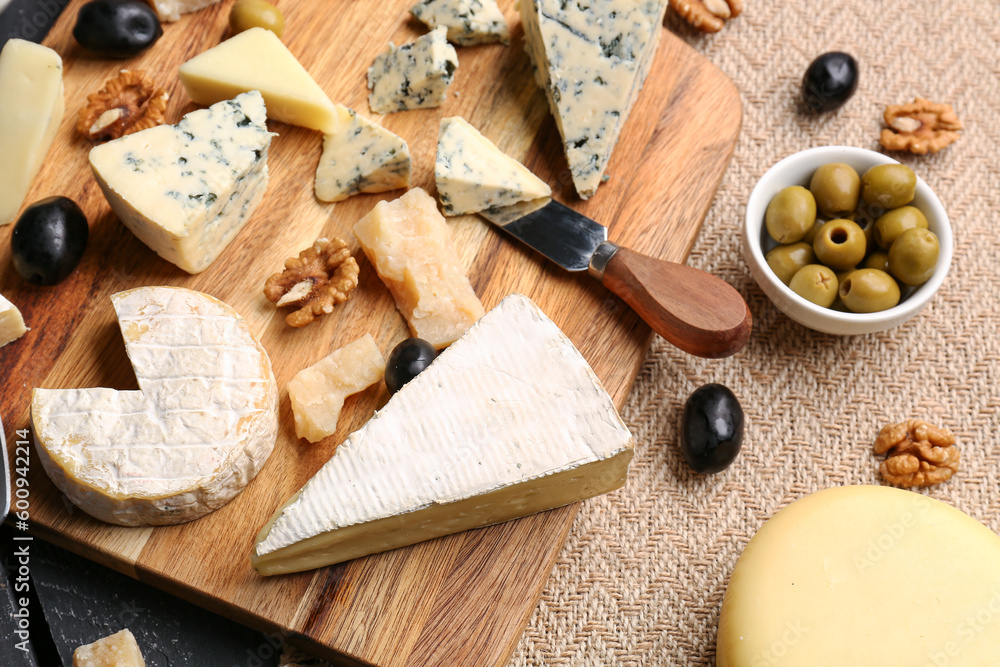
x=919, y=454
x=707, y=15
x=321, y=277
x=128, y=103
x=919, y=127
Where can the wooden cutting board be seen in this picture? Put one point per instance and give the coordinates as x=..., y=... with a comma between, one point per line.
x=459, y=600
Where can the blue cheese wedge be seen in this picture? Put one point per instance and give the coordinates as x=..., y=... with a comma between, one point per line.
x=591, y=60
x=360, y=156
x=508, y=421
x=186, y=190
x=413, y=76
x=472, y=174
x=200, y=427
x=468, y=21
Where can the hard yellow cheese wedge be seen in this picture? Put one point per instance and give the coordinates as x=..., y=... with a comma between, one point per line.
x=31, y=108
x=409, y=243
x=117, y=650
x=866, y=576
x=257, y=60
x=317, y=393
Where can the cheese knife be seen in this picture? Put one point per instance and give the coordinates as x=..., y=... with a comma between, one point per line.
x=695, y=311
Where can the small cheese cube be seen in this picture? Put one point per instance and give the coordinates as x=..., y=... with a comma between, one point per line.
x=409, y=243
x=360, y=156
x=31, y=108
x=468, y=21
x=413, y=76
x=11, y=323
x=117, y=650
x=318, y=392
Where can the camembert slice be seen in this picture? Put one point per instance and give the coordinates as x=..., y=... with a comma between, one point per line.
x=256, y=59
x=591, y=60
x=186, y=190
x=31, y=108
x=409, y=243
x=11, y=322
x=201, y=425
x=508, y=421
x=472, y=174
x=360, y=156
x=468, y=21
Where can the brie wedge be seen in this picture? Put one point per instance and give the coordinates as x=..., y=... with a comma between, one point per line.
x=202, y=424
x=508, y=421
x=473, y=175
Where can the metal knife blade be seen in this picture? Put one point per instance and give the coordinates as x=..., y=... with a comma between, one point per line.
x=696, y=311
x=6, y=473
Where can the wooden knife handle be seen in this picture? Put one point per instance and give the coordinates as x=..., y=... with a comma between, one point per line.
x=697, y=312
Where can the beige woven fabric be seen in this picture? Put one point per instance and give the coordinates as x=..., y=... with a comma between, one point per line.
x=643, y=573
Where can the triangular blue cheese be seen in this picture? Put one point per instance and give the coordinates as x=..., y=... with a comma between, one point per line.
x=507, y=421
x=360, y=156
x=591, y=60
x=468, y=21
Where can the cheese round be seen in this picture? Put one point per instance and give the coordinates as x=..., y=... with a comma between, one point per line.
x=204, y=421
x=864, y=575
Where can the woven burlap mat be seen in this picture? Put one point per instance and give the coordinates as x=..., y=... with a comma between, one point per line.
x=643, y=573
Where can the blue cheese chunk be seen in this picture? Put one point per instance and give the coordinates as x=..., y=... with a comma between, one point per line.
x=468, y=21
x=472, y=174
x=413, y=76
x=186, y=190
x=360, y=156
x=591, y=60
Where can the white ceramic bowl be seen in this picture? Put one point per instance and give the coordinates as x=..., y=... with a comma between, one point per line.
x=797, y=169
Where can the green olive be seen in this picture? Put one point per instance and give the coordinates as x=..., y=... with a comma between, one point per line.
x=869, y=291
x=790, y=214
x=895, y=222
x=840, y=244
x=913, y=256
x=878, y=260
x=812, y=231
x=836, y=187
x=785, y=260
x=247, y=14
x=889, y=185
x=816, y=283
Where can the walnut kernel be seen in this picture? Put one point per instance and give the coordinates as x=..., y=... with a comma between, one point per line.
x=321, y=277
x=919, y=127
x=128, y=103
x=919, y=454
x=707, y=15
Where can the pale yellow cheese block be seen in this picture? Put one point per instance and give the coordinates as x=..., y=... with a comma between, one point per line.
x=409, y=243
x=117, y=650
x=864, y=576
x=11, y=322
x=31, y=108
x=256, y=59
x=317, y=393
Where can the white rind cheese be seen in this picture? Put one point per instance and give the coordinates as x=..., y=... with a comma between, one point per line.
x=201, y=426
x=591, y=60
x=412, y=76
x=256, y=59
x=472, y=174
x=867, y=576
x=11, y=322
x=468, y=22
x=31, y=108
x=508, y=421
x=360, y=156
x=186, y=190
x=171, y=10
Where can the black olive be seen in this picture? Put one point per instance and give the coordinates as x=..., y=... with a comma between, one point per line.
x=406, y=361
x=117, y=28
x=830, y=81
x=711, y=429
x=48, y=240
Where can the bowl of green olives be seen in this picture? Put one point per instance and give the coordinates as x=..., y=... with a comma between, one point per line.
x=845, y=240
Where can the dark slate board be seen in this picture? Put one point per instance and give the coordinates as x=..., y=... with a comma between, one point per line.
x=14, y=589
